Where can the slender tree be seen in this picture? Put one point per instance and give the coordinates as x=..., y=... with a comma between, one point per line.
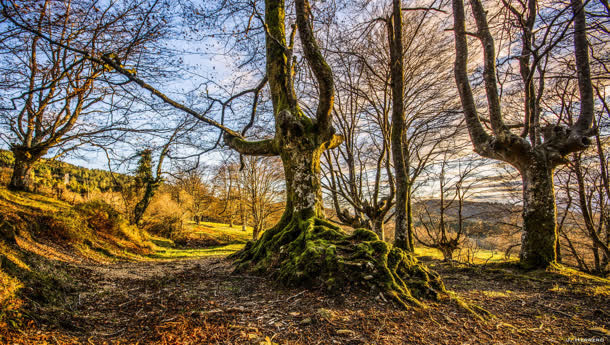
x=261, y=186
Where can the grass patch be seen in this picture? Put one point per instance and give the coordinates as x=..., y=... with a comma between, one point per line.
x=480, y=256
x=220, y=233
x=173, y=253
x=496, y=294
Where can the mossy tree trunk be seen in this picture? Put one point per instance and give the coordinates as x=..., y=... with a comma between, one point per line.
x=538, y=242
x=537, y=150
x=304, y=248
x=394, y=30
x=410, y=238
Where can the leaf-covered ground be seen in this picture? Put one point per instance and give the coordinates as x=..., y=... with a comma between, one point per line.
x=199, y=301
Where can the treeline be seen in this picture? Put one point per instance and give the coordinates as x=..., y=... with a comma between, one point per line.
x=53, y=175
x=251, y=195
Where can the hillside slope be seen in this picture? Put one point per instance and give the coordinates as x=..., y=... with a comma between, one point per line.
x=41, y=239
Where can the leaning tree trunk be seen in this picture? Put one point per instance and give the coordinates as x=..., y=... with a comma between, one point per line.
x=142, y=205
x=305, y=249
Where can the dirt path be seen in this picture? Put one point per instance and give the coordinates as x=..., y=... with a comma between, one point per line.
x=198, y=301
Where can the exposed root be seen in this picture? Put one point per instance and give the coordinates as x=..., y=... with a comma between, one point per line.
x=478, y=312
x=313, y=252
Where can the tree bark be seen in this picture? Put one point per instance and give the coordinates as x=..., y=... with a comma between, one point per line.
x=538, y=242
x=377, y=227
x=302, y=171
x=255, y=231
x=21, y=178
x=394, y=27
x=410, y=238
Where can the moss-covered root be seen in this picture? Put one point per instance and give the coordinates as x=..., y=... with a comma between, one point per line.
x=314, y=252
x=480, y=313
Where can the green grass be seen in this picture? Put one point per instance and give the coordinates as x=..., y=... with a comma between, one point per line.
x=35, y=202
x=480, y=256
x=227, y=241
x=172, y=253
x=222, y=233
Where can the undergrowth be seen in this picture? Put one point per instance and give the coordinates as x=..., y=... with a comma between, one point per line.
x=40, y=239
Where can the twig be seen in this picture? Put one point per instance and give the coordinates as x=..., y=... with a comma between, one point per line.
x=291, y=297
x=109, y=334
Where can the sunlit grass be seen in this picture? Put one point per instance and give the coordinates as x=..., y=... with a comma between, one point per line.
x=218, y=232
x=31, y=200
x=173, y=253
x=479, y=256
x=228, y=240
x=496, y=294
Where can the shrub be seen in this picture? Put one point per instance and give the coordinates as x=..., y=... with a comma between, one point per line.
x=6, y=159
x=101, y=217
x=169, y=226
x=164, y=217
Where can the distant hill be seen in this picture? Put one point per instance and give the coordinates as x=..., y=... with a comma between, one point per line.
x=481, y=219
x=474, y=210
x=52, y=173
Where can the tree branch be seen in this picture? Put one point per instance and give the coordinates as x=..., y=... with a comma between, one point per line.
x=266, y=147
x=477, y=133
x=318, y=65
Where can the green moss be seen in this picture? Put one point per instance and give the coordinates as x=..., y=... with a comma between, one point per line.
x=312, y=252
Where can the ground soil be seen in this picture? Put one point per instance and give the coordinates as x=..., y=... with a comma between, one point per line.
x=200, y=301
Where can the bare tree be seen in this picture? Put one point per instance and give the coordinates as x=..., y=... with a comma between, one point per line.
x=443, y=220
x=53, y=97
x=261, y=186
x=191, y=180
x=226, y=181
x=536, y=151
x=358, y=174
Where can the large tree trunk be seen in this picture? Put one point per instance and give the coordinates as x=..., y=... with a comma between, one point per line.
x=303, y=187
x=21, y=178
x=305, y=249
x=538, y=243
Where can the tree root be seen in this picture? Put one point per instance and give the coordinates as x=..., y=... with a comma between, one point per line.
x=315, y=253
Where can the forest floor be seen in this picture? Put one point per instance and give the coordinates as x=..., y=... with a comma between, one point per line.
x=197, y=300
